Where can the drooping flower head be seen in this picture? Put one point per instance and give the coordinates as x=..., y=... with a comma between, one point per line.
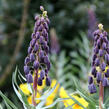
x=100, y=60
x=37, y=58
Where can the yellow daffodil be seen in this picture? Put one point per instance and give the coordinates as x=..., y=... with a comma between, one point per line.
x=69, y=102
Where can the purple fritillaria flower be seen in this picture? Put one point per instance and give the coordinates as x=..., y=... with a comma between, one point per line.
x=38, y=50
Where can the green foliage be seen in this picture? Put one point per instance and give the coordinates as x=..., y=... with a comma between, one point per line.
x=81, y=57
x=61, y=69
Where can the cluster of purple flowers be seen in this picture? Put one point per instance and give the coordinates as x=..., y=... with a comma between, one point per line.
x=37, y=59
x=100, y=60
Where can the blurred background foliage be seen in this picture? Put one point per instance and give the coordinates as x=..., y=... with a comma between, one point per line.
x=71, y=23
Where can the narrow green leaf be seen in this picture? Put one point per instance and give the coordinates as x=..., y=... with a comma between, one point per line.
x=7, y=101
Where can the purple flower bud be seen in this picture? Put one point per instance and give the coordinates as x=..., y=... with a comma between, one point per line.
x=107, y=50
x=97, y=62
x=46, y=49
x=101, y=52
x=36, y=17
x=46, y=72
x=38, y=22
x=42, y=74
x=105, y=33
x=99, y=77
x=105, y=82
x=44, y=32
x=42, y=19
x=94, y=57
x=93, y=63
x=41, y=54
x=48, y=65
x=27, y=60
x=29, y=50
x=41, y=39
x=46, y=60
x=96, y=32
x=107, y=58
x=37, y=35
x=102, y=66
x=98, y=42
x=104, y=45
x=107, y=74
x=46, y=26
x=48, y=81
x=101, y=36
x=33, y=42
x=32, y=57
x=96, y=38
x=40, y=28
x=94, y=71
x=33, y=35
x=36, y=47
x=105, y=39
x=90, y=80
x=26, y=69
x=29, y=78
x=92, y=88
x=96, y=50
x=36, y=65
x=41, y=8
x=39, y=81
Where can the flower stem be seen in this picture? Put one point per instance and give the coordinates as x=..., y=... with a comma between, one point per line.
x=35, y=87
x=101, y=95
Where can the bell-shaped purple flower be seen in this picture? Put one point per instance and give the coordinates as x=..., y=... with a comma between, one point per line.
x=94, y=71
x=42, y=74
x=36, y=65
x=105, y=82
x=99, y=77
x=32, y=57
x=29, y=50
x=39, y=81
x=96, y=50
x=36, y=47
x=97, y=62
x=103, y=66
x=107, y=50
x=27, y=60
x=107, y=58
x=90, y=80
x=48, y=81
x=101, y=52
x=29, y=78
x=26, y=69
x=92, y=88
x=104, y=45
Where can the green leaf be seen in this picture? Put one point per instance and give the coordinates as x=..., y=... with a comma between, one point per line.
x=22, y=97
x=7, y=101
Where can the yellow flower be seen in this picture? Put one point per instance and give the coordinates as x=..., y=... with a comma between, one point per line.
x=68, y=102
x=24, y=88
x=30, y=98
x=51, y=97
